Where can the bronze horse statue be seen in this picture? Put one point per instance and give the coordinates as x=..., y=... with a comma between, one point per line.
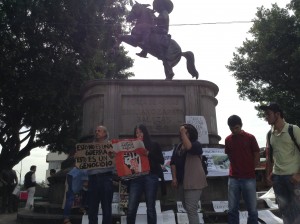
x=161, y=46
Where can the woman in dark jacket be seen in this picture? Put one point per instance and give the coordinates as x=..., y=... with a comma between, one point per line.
x=147, y=184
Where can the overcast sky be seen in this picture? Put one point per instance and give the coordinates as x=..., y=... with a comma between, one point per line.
x=220, y=27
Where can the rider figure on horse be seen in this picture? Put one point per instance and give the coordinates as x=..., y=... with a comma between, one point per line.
x=164, y=8
x=151, y=34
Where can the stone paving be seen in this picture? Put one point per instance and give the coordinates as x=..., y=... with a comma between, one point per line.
x=8, y=218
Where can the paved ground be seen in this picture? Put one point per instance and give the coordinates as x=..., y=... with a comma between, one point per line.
x=10, y=218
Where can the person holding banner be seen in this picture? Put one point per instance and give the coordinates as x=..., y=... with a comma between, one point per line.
x=147, y=184
x=187, y=170
x=100, y=185
x=243, y=153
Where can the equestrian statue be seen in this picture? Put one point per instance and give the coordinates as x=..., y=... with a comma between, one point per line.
x=150, y=33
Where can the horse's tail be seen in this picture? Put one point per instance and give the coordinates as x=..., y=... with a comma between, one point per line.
x=190, y=63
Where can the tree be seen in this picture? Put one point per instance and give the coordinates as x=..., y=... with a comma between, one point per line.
x=267, y=67
x=48, y=49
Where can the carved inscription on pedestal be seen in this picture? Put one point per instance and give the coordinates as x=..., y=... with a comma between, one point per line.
x=161, y=114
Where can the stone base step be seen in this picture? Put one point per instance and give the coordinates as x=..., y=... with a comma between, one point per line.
x=47, y=213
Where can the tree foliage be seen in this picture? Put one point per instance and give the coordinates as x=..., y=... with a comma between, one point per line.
x=267, y=67
x=48, y=49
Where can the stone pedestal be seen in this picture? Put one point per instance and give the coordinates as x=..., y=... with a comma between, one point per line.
x=159, y=104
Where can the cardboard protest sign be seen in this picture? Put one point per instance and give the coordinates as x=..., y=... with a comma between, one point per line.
x=131, y=158
x=94, y=155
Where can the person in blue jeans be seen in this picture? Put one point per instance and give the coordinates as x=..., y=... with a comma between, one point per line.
x=77, y=180
x=283, y=162
x=243, y=153
x=100, y=188
x=147, y=184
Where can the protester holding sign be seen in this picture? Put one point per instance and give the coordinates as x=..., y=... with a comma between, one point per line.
x=147, y=184
x=243, y=153
x=100, y=185
x=187, y=170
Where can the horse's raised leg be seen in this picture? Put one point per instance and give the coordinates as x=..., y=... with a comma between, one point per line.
x=168, y=70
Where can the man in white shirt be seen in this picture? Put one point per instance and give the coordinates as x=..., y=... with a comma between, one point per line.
x=30, y=183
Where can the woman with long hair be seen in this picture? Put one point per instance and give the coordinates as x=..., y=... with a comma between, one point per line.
x=147, y=184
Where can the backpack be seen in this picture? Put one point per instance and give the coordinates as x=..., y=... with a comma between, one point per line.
x=291, y=133
x=204, y=164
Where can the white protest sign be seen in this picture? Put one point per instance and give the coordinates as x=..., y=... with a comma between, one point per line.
x=200, y=124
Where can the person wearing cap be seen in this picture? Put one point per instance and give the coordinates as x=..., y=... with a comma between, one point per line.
x=243, y=153
x=284, y=164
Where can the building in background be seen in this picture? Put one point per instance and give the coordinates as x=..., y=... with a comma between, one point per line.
x=54, y=159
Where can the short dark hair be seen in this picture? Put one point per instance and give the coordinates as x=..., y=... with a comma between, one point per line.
x=33, y=167
x=234, y=120
x=272, y=106
x=193, y=133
